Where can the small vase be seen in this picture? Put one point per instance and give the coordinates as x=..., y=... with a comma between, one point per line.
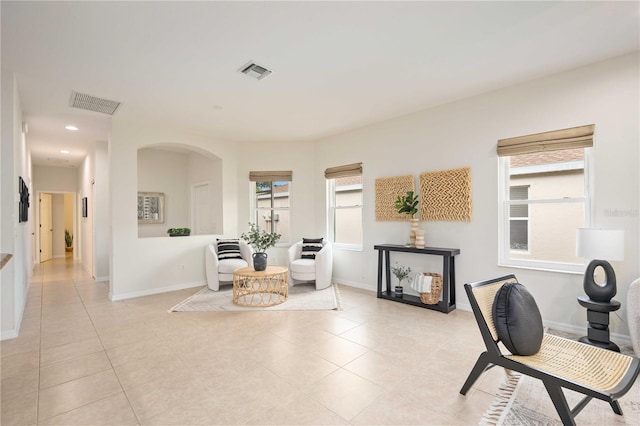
x=412, y=233
x=398, y=291
x=259, y=261
x=420, y=238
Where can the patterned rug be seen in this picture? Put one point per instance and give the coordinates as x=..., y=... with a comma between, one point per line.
x=302, y=297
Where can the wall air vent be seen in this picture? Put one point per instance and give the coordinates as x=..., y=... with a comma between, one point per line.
x=254, y=70
x=92, y=103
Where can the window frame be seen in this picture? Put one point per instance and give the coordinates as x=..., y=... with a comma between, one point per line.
x=255, y=210
x=331, y=216
x=504, y=204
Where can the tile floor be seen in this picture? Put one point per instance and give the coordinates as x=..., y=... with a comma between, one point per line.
x=81, y=359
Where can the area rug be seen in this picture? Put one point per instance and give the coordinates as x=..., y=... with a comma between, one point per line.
x=523, y=401
x=302, y=297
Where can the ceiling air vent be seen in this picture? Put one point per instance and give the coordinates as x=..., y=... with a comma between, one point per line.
x=254, y=70
x=92, y=103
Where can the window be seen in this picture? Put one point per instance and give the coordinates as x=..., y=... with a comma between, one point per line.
x=344, y=188
x=519, y=219
x=544, y=199
x=272, y=202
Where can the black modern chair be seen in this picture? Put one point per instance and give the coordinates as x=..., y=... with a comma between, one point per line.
x=560, y=363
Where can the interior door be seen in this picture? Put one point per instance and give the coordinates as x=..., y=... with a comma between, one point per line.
x=201, y=203
x=46, y=228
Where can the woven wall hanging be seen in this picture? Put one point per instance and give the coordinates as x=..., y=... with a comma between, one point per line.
x=387, y=191
x=446, y=195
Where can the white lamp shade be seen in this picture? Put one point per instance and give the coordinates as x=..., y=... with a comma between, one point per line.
x=601, y=244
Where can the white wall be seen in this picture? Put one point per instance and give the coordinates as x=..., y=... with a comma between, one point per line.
x=55, y=179
x=16, y=237
x=465, y=133
x=85, y=235
x=101, y=211
x=166, y=172
x=297, y=157
x=149, y=265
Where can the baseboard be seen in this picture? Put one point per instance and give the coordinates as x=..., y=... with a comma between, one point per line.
x=9, y=334
x=568, y=328
x=354, y=285
x=102, y=279
x=131, y=295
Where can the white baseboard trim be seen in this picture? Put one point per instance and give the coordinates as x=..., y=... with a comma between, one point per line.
x=175, y=287
x=355, y=285
x=102, y=279
x=464, y=306
x=8, y=334
x=568, y=328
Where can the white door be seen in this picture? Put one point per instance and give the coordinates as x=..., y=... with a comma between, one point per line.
x=201, y=216
x=46, y=228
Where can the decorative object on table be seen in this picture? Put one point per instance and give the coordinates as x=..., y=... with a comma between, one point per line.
x=420, y=238
x=446, y=195
x=260, y=241
x=598, y=244
x=68, y=240
x=408, y=204
x=387, y=191
x=179, y=232
x=429, y=286
x=401, y=273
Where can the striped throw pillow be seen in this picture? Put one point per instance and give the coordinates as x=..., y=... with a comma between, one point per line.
x=229, y=249
x=311, y=247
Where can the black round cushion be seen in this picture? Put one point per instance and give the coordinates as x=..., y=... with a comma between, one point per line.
x=517, y=319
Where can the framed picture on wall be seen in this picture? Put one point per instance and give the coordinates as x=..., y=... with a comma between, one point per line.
x=150, y=207
x=23, y=206
x=85, y=210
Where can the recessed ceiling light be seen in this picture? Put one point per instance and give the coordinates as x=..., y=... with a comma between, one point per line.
x=64, y=151
x=71, y=127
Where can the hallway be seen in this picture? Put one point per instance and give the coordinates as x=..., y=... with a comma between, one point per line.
x=81, y=359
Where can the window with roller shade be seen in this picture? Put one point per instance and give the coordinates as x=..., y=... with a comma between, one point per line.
x=544, y=198
x=344, y=215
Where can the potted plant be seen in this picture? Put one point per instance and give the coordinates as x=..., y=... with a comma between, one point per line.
x=401, y=272
x=260, y=241
x=408, y=204
x=179, y=232
x=68, y=240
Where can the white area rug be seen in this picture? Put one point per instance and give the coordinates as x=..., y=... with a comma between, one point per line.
x=524, y=401
x=302, y=297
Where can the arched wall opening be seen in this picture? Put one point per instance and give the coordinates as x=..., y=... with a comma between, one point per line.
x=179, y=186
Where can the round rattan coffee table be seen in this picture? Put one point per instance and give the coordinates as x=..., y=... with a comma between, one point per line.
x=260, y=288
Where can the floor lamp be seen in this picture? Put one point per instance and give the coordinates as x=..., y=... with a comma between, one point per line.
x=598, y=245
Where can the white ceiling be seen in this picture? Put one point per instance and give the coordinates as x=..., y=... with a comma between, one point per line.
x=336, y=65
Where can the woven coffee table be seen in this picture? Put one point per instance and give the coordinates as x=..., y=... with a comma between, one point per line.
x=260, y=288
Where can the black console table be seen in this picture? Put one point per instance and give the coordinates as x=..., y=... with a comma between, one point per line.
x=448, y=302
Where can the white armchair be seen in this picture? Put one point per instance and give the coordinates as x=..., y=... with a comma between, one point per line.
x=221, y=270
x=318, y=269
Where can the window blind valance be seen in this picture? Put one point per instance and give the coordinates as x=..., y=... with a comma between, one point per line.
x=354, y=169
x=284, y=175
x=575, y=137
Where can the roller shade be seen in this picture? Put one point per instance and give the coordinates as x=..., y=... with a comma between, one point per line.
x=575, y=137
x=284, y=175
x=354, y=169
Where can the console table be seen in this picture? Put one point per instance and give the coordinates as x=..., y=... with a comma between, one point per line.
x=448, y=302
